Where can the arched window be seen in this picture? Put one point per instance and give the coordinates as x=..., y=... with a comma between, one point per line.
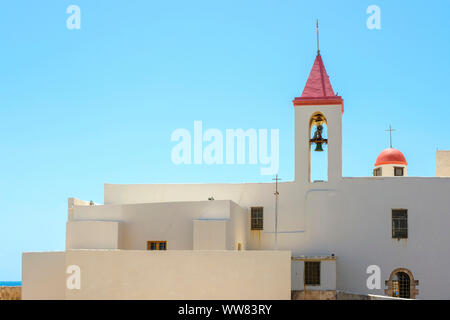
x=318, y=148
x=401, y=284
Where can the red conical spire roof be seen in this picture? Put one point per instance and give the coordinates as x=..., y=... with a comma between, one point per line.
x=318, y=84
x=318, y=89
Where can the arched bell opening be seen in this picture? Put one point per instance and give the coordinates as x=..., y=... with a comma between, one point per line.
x=318, y=148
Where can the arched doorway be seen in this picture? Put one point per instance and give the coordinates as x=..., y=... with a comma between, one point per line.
x=401, y=284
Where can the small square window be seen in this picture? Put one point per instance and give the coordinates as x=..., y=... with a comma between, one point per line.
x=312, y=273
x=399, y=223
x=257, y=217
x=398, y=171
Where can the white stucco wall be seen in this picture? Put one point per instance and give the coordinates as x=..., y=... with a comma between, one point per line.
x=327, y=274
x=350, y=217
x=246, y=195
x=172, y=274
x=210, y=235
x=130, y=226
x=43, y=276
x=93, y=235
x=237, y=228
x=354, y=222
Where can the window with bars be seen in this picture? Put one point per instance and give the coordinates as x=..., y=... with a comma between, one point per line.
x=156, y=245
x=399, y=223
x=401, y=285
x=312, y=273
x=398, y=171
x=257, y=218
x=377, y=172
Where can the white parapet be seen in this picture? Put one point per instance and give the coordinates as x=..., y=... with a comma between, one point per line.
x=172, y=274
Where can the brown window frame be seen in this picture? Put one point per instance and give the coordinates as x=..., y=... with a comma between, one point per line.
x=377, y=172
x=399, y=175
x=399, y=223
x=157, y=244
x=312, y=273
x=257, y=222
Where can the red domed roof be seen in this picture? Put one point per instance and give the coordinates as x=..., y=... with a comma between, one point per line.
x=391, y=156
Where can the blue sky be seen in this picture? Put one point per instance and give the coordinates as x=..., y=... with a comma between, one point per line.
x=79, y=108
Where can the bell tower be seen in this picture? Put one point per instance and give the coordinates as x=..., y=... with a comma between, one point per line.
x=318, y=125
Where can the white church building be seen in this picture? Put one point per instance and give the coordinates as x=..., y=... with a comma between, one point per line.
x=386, y=234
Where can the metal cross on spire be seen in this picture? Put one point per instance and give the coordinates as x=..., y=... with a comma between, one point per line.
x=317, y=30
x=390, y=135
x=276, y=193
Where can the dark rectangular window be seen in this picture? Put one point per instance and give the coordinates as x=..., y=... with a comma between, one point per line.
x=399, y=223
x=257, y=218
x=312, y=273
x=377, y=172
x=398, y=171
x=156, y=245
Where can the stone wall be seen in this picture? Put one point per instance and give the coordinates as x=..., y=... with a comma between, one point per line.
x=313, y=295
x=10, y=293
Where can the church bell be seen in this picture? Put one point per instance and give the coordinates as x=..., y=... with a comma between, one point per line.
x=318, y=146
x=317, y=138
